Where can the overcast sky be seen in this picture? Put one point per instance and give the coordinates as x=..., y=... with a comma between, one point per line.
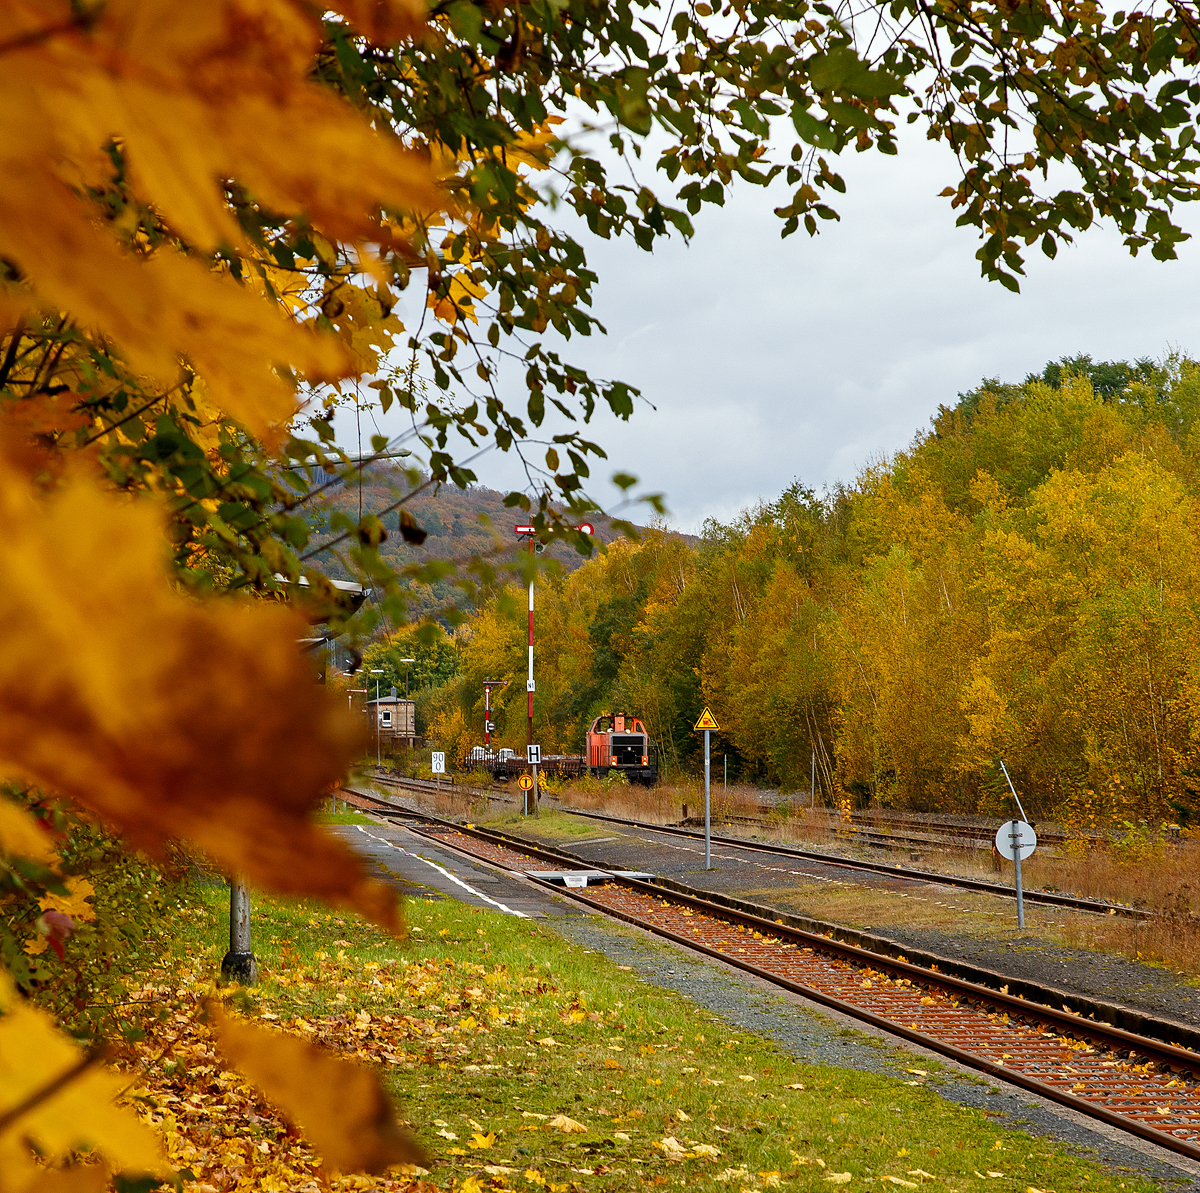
x=771, y=360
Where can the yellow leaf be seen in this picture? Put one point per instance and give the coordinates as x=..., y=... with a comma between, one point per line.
x=20, y=835
x=838, y=1178
x=74, y=902
x=569, y=1126
x=166, y=716
x=340, y=1106
x=899, y=1180
x=92, y=1179
x=481, y=1142
x=194, y=99
x=79, y=1113
x=672, y=1148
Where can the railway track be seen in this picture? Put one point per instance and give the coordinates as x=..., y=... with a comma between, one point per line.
x=1130, y=1081
x=912, y=873
x=1052, y=898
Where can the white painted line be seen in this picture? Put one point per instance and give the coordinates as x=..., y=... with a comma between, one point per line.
x=453, y=877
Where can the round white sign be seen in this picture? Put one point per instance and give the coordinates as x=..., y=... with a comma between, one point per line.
x=1013, y=835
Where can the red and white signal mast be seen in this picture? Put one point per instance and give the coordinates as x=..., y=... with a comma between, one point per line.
x=530, y=533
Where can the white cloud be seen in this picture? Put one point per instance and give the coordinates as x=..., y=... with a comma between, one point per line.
x=768, y=360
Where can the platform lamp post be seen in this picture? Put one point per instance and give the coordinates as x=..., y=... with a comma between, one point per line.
x=377, y=671
x=411, y=736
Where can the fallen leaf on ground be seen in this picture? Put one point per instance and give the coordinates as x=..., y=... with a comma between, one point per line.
x=569, y=1126
x=672, y=1148
x=341, y=1106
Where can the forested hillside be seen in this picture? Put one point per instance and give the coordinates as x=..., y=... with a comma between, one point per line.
x=457, y=523
x=1020, y=584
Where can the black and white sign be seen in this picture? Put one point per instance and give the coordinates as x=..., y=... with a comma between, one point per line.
x=439, y=762
x=533, y=755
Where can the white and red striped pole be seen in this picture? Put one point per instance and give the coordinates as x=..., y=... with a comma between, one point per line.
x=529, y=679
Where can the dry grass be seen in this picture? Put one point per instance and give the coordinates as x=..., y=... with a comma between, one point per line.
x=662, y=803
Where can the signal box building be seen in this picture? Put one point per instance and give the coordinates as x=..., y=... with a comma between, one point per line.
x=396, y=721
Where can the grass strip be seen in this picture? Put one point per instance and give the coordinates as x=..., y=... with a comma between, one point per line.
x=527, y=1062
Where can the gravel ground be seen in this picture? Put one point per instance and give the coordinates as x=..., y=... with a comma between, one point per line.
x=817, y=1037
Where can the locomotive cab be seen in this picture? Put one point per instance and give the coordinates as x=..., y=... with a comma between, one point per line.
x=619, y=742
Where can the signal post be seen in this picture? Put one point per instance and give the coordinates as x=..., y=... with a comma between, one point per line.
x=707, y=723
x=532, y=752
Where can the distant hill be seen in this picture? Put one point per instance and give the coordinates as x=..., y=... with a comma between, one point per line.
x=458, y=522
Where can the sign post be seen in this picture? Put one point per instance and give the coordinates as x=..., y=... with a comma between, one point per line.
x=707, y=723
x=533, y=755
x=1016, y=851
x=438, y=766
x=1016, y=840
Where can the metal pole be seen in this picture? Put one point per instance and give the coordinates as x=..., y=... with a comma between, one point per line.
x=812, y=789
x=707, y=811
x=239, y=965
x=487, y=717
x=1013, y=790
x=529, y=682
x=1014, y=835
x=530, y=795
x=378, y=755
x=726, y=772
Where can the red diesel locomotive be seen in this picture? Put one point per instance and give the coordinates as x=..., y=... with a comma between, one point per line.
x=620, y=743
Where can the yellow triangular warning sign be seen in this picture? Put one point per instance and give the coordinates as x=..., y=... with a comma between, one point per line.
x=707, y=720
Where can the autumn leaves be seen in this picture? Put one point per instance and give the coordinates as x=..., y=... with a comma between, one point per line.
x=131, y=130
x=194, y=98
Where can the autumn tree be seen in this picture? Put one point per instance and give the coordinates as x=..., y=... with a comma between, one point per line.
x=210, y=219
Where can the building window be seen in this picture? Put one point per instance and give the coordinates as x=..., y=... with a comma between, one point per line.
x=387, y=719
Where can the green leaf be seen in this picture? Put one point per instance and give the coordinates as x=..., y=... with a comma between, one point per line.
x=812, y=130
x=841, y=69
x=466, y=20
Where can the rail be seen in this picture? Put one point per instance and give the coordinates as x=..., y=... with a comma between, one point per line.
x=1052, y=898
x=1133, y=1082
